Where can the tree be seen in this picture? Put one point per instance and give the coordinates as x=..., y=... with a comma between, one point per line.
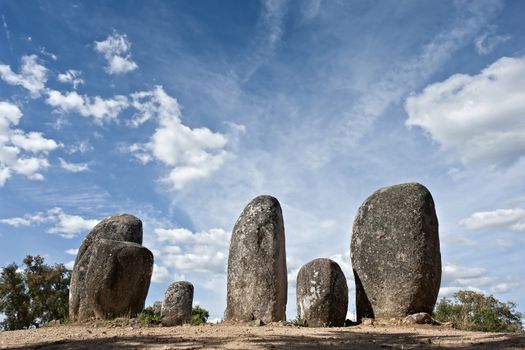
x=199, y=315
x=35, y=295
x=14, y=301
x=476, y=312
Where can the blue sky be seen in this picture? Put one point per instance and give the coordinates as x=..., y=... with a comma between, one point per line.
x=181, y=112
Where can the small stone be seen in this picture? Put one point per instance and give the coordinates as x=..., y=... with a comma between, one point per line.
x=177, y=304
x=322, y=294
x=419, y=318
x=258, y=323
x=157, y=307
x=367, y=322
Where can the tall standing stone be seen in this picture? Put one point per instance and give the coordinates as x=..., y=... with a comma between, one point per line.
x=322, y=294
x=177, y=304
x=112, y=270
x=257, y=277
x=395, y=253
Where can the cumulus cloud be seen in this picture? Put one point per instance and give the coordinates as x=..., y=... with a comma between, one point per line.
x=160, y=274
x=191, y=154
x=480, y=117
x=513, y=219
x=186, y=251
x=73, y=167
x=102, y=110
x=20, y=152
x=32, y=75
x=65, y=225
x=72, y=77
x=115, y=50
x=478, y=279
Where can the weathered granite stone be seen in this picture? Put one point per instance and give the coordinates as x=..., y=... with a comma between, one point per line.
x=157, y=307
x=419, y=318
x=322, y=294
x=118, y=278
x=177, y=304
x=257, y=277
x=112, y=270
x=395, y=253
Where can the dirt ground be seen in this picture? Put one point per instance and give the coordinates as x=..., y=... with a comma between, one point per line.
x=103, y=335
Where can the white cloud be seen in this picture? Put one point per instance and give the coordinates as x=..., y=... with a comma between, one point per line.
x=65, y=225
x=73, y=167
x=72, y=77
x=20, y=152
x=16, y=222
x=160, y=274
x=102, y=110
x=186, y=252
x=115, y=50
x=72, y=251
x=513, y=219
x=190, y=153
x=488, y=41
x=481, y=117
x=32, y=76
x=80, y=147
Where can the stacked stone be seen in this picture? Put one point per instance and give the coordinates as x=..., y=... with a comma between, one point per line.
x=112, y=271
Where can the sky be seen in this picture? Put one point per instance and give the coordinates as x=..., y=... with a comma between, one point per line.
x=181, y=112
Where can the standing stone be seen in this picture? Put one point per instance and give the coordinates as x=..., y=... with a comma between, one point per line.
x=257, y=277
x=322, y=294
x=177, y=304
x=395, y=253
x=112, y=270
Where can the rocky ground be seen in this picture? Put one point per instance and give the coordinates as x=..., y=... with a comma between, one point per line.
x=131, y=335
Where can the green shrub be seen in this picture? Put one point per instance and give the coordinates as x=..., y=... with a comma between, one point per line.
x=476, y=312
x=148, y=316
x=199, y=315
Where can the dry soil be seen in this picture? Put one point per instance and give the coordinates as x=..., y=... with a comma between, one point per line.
x=104, y=335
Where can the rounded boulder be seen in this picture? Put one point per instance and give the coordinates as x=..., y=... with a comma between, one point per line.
x=395, y=253
x=322, y=294
x=177, y=304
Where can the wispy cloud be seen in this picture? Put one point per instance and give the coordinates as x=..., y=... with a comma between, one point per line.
x=115, y=49
x=270, y=29
x=73, y=167
x=7, y=34
x=65, y=225
x=488, y=41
